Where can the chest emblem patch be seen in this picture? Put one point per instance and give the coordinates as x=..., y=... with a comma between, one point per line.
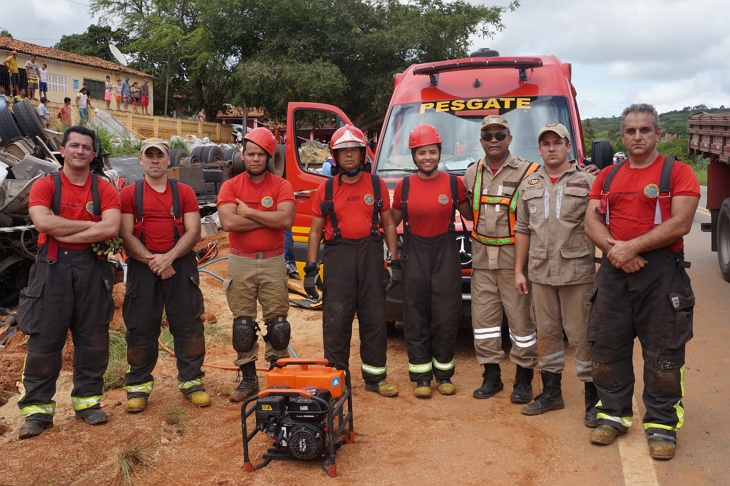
x=172, y=211
x=443, y=199
x=533, y=209
x=651, y=191
x=267, y=201
x=369, y=199
x=533, y=182
x=90, y=207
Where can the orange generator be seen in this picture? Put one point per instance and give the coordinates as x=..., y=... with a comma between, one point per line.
x=307, y=410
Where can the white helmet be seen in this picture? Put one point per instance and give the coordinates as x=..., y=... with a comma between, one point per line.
x=619, y=154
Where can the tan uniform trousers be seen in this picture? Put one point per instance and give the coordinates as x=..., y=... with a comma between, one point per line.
x=249, y=280
x=557, y=309
x=492, y=292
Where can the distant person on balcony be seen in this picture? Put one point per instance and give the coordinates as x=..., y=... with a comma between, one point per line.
x=31, y=72
x=135, y=96
x=20, y=97
x=145, y=99
x=64, y=112
x=118, y=94
x=108, y=86
x=11, y=63
x=43, y=112
x=43, y=76
x=83, y=101
x=126, y=93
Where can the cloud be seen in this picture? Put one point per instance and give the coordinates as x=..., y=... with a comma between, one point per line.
x=43, y=22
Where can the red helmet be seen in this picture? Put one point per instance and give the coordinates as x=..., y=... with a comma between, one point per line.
x=263, y=138
x=347, y=136
x=423, y=135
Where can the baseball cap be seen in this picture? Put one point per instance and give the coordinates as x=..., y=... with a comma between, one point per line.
x=556, y=128
x=494, y=120
x=14, y=52
x=159, y=143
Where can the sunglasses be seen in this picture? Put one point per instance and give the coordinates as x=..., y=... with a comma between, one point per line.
x=487, y=137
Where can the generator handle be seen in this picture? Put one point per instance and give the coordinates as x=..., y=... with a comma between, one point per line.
x=280, y=363
x=284, y=391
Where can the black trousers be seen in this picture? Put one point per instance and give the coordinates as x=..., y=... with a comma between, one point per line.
x=656, y=305
x=431, y=305
x=74, y=293
x=180, y=297
x=353, y=270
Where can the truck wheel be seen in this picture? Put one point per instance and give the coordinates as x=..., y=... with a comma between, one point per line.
x=13, y=277
x=29, y=122
x=176, y=156
x=277, y=163
x=228, y=153
x=723, y=239
x=212, y=154
x=8, y=128
x=237, y=163
x=197, y=151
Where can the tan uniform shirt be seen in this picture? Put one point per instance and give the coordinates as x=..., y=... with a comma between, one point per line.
x=494, y=220
x=553, y=215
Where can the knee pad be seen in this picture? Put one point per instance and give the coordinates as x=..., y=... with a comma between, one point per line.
x=278, y=332
x=244, y=333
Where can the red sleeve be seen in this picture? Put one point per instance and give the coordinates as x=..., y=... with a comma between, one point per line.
x=286, y=192
x=598, y=183
x=684, y=181
x=397, y=195
x=41, y=194
x=127, y=199
x=188, y=200
x=461, y=191
x=109, y=196
x=227, y=193
x=317, y=199
x=385, y=195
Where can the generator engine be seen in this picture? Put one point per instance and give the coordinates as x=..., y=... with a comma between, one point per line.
x=297, y=423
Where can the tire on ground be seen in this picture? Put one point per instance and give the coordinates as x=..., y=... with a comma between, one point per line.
x=277, y=163
x=211, y=154
x=28, y=121
x=228, y=153
x=723, y=239
x=237, y=164
x=198, y=151
x=8, y=127
x=176, y=156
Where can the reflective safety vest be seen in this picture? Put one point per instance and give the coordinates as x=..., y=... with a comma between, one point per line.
x=509, y=202
x=664, y=198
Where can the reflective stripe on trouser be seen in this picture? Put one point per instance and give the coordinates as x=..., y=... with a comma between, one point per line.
x=251, y=281
x=352, y=283
x=82, y=403
x=659, y=306
x=45, y=409
x=431, y=304
x=147, y=295
x=190, y=386
x=75, y=294
x=562, y=308
x=492, y=292
x=139, y=390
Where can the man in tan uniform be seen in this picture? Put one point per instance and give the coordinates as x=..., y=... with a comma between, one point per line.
x=492, y=187
x=550, y=215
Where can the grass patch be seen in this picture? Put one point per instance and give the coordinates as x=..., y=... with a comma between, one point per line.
x=176, y=416
x=699, y=166
x=167, y=338
x=217, y=334
x=115, y=146
x=132, y=459
x=114, y=376
x=178, y=143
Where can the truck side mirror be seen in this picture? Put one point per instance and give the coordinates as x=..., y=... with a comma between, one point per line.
x=602, y=153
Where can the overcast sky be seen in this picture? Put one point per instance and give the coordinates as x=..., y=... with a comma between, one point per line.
x=671, y=53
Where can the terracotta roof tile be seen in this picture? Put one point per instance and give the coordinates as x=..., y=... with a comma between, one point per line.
x=6, y=43
x=236, y=111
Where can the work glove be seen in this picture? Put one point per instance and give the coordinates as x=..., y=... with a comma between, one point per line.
x=312, y=280
x=391, y=274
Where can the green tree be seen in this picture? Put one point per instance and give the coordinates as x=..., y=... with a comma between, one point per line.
x=5, y=33
x=94, y=42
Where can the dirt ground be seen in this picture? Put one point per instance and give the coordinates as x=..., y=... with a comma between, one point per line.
x=402, y=440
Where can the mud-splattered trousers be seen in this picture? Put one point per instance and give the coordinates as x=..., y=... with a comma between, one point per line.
x=73, y=293
x=353, y=270
x=656, y=305
x=180, y=297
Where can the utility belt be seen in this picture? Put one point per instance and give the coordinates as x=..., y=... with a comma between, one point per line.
x=61, y=252
x=260, y=255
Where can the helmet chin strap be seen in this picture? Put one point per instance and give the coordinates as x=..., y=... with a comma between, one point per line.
x=352, y=172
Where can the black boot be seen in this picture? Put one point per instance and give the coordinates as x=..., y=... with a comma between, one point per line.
x=249, y=384
x=522, y=392
x=590, y=419
x=492, y=382
x=551, y=397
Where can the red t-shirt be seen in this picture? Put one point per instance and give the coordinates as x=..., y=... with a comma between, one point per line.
x=159, y=236
x=76, y=202
x=631, y=210
x=353, y=206
x=429, y=203
x=263, y=196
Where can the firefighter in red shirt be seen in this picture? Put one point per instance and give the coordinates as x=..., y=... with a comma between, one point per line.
x=69, y=287
x=638, y=214
x=426, y=202
x=350, y=209
x=160, y=226
x=256, y=207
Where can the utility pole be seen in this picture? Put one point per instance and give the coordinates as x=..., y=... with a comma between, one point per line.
x=167, y=86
